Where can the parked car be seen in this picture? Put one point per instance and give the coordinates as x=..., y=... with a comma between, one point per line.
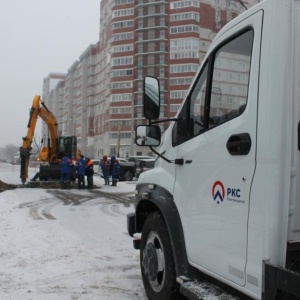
x=144, y=165
x=127, y=169
x=137, y=158
x=96, y=162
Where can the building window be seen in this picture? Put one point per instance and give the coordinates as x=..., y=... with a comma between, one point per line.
x=151, y=71
x=184, y=68
x=140, y=61
x=151, y=35
x=119, y=2
x=151, y=10
x=181, y=81
x=122, y=48
x=120, y=97
x=121, y=85
x=123, y=36
x=178, y=94
x=161, y=72
x=122, y=13
x=151, y=22
x=182, y=4
x=151, y=47
x=140, y=74
x=185, y=54
x=174, y=108
x=124, y=24
x=122, y=61
x=140, y=86
x=185, y=28
x=151, y=59
x=185, y=16
x=119, y=73
x=186, y=44
x=113, y=151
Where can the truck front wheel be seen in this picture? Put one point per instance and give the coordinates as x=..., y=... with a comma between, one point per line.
x=157, y=261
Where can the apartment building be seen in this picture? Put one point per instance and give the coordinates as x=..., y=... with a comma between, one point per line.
x=100, y=98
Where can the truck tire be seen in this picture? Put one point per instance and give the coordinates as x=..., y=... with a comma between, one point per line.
x=157, y=261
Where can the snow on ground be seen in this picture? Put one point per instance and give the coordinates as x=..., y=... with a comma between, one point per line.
x=66, y=244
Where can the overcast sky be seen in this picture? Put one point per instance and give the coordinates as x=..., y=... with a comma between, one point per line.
x=38, y=37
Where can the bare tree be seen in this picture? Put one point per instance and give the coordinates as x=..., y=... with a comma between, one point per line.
x=9, y=151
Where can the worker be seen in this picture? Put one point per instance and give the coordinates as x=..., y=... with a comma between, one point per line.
x=89, y=172
x=114, y=170
x=105, y=169
x=80, y=170
x=65, y=169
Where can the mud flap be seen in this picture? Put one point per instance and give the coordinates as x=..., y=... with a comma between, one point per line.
x=280, y=282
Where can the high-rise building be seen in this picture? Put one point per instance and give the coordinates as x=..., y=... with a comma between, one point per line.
x=100, y=98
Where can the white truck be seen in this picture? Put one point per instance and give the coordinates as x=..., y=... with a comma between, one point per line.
x=222, y=205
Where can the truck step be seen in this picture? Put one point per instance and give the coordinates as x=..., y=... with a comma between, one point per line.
x=203, y=290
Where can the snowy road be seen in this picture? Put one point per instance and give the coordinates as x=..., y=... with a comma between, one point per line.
x=67, y=244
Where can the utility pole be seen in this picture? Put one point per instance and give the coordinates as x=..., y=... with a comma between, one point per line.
x=132, y=126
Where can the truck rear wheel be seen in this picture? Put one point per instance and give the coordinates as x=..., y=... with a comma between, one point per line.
x=157, y=261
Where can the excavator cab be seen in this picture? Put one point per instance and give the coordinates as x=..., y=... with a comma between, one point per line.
x=67, y=145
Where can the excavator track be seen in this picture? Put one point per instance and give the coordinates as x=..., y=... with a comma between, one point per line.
x=51, y=184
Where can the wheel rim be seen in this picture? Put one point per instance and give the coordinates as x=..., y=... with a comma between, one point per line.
x=154, y=262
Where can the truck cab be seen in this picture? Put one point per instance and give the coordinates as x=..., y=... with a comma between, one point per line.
x=221, y=202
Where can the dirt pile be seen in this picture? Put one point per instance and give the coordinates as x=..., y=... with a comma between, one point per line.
x=4, y=186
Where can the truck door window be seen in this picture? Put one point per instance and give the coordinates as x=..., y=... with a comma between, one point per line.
x=198, y=103
x=192, y=113
x=221, y=91
x=230, y=79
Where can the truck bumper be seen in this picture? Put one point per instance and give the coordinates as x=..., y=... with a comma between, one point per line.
x=131, y=230
x=279, y=282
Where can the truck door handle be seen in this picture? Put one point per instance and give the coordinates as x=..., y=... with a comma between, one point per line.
x=239, y=144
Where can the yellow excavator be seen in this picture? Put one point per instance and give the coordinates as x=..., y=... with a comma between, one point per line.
x=50, y=154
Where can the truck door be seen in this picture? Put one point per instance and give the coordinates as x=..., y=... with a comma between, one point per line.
x=216, y=137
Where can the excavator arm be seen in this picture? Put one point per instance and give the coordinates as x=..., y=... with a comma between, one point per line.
x=49, y=153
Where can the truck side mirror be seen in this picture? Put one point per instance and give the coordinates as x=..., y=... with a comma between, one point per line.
x=151, y=98
x=149, y=135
